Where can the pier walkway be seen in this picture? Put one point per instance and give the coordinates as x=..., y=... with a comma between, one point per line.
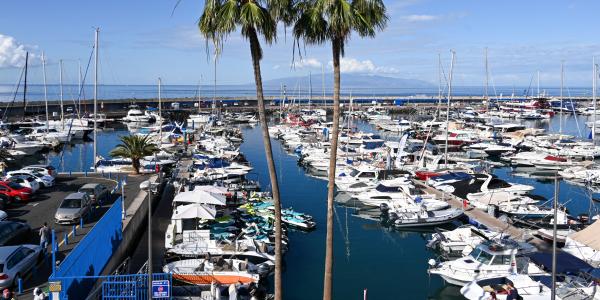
x=478, y=215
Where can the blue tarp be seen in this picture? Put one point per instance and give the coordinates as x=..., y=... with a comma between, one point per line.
x=565, y=262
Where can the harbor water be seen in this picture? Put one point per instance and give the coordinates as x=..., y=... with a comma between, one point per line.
x=390, y=264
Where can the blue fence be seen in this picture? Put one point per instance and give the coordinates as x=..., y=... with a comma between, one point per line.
x=90, y=255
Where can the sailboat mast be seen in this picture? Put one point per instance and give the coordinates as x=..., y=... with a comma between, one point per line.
x=214, y=104
x=96, y=45
x=448, y=107
x=45, y=90
x=538, y=83
x=323, y=84
x=562, y=78
x=79, y=87
x=487, y=76
x=595, y=71
x=309, y=89
x=439, y=85
x=556, y=190
x=159, y=113
x=60, y=78
x=25, y=84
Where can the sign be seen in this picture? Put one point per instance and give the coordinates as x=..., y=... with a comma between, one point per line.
x=55, y=286
x=160, y=289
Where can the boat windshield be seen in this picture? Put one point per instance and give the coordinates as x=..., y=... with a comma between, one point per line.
x=485, y=258
x=354, y=172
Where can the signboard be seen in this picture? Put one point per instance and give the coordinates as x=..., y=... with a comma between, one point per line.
x=55, y=286
x=160, y=289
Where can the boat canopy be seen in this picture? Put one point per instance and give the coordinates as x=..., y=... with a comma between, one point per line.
x=199, y=196
x=194, y=211
x=565, y=262
x=588, y=236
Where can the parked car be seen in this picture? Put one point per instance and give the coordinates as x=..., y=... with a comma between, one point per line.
x=15, y=191
x=14, y=233
x=5, y=200
x=96, y=192
x=72, y=208
x=24, y=180
x=43, y=179
x=17, y=262
x=44, y=169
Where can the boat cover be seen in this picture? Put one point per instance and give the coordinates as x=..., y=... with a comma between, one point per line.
x=565, y=262
x=590, y=236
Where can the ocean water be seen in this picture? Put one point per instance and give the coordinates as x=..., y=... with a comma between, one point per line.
x=389, y=264
x=72, y=93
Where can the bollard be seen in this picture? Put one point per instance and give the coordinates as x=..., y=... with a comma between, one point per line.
x=54, y=249
x=20, y=289
x=81, y=223
x=66, y=239
x=74, y=230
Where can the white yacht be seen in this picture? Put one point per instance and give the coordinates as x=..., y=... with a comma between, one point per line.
x=487, y=260
x=136, y=115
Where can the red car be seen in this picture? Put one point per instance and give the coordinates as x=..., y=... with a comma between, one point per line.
x=15, y=191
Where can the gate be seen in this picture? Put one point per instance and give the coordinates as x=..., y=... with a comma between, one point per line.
x=123, y=287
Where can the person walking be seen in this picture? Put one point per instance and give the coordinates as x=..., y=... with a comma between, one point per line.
x=44, y=234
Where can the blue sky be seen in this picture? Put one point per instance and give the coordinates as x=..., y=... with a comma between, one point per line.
x=142, y=40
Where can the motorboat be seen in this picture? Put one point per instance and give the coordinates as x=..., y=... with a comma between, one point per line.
x=529, y=287
x=488, y=260
x=460, y=241
x=423, y=218
x=217, y=270
x=137, y=116
x=494, y=189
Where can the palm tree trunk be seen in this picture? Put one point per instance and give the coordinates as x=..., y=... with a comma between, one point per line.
x=136, y=166
x=262, y=115
x=328, y=278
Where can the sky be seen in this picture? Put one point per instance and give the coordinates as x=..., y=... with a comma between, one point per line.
x=142, y=40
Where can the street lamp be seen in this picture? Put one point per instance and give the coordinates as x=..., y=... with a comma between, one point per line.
x=149, y=187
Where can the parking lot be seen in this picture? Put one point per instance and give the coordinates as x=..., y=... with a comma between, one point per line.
x=43, y=205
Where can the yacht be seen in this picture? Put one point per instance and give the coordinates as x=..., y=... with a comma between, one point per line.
x=488, y=260
x=137, y=116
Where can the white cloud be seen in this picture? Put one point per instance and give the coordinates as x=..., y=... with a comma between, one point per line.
x=307, y=63
x=12, y=53
x=420, y=18
x=353, y=65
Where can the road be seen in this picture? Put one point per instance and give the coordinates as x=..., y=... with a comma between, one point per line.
x=43, y=205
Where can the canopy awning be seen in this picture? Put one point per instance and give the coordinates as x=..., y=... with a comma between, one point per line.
x=590, y=236
x=200, y=197
x=194, y=211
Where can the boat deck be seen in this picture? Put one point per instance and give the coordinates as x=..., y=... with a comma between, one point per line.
x=484, y=218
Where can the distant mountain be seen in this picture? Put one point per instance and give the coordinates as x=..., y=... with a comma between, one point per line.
x=349, y=81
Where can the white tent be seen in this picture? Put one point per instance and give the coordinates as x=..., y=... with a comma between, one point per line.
x=212, y=189
x=200, y=197
x=192, y=211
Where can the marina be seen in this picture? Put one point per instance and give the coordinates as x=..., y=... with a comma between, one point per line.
x=292, y=150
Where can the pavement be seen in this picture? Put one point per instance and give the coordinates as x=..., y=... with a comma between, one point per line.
x=43, y=205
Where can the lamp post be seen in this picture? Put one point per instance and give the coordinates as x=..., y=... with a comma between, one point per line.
x=148, y=187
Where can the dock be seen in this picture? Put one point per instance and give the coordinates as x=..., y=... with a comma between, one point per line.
x=484, y=218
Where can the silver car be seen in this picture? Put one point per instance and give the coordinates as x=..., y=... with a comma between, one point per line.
x=97, y=192
x=72, y=208
x=16, y=262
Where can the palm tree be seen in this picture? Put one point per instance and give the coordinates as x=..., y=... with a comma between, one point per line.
x=253, y=17
x=134, y=147
x=319, y=21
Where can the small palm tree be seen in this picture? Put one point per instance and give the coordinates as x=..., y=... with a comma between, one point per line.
x=253, y=18
x=134, y=147
x=320, y=21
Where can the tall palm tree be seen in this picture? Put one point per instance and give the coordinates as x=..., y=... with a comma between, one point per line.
x=219, y=19
x=320, y=21
x=134, y=147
